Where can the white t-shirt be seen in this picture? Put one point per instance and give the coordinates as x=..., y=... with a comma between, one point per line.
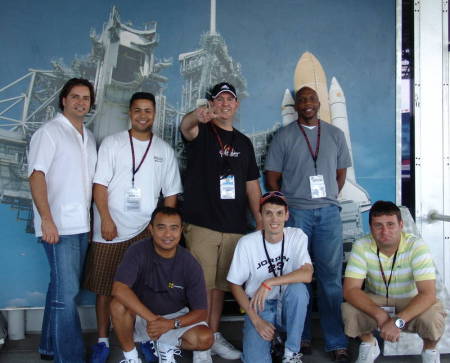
x=68, y=161
x=250, y=264
x=159, y=172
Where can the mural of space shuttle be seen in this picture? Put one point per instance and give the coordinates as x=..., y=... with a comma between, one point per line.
x=333, y=109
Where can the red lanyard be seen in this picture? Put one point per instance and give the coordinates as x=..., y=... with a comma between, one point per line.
x=316, y=153
x=386, y=283
x=219, y=139
x=135, y=170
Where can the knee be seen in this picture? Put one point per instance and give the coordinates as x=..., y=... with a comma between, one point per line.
x=204, y=338
x=298, y=291
x=117, y=309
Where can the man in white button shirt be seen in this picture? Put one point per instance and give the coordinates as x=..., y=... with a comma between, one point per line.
x=61, y=165
x=134, y=167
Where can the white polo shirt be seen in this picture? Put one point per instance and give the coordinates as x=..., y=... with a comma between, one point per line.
x=68, y=161
x=158, y=173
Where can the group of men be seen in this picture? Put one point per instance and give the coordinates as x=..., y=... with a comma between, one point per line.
x=167, y=298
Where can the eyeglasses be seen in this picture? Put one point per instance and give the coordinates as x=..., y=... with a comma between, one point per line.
x=268, y=195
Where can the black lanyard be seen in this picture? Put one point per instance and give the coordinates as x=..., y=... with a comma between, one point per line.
x=135, y=170
x=386, y=283
x=316, y=153
x=226, y=165
x=272, y=267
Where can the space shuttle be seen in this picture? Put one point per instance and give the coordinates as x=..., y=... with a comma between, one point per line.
x=333, y=109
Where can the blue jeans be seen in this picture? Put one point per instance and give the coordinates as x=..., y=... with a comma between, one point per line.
x=61, y=328
x=323, y=226
x=294, y=305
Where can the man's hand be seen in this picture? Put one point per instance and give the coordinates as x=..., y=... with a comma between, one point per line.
x=49, y=231
x=158, y=327
x=258, y=300
x=389, y=331
x=265, y=329
x=109, y=229
x=381, y=317
x=205, y=114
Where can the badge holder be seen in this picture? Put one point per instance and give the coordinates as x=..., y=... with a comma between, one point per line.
x=133, y=199
x=227, y=187
x=317, y=185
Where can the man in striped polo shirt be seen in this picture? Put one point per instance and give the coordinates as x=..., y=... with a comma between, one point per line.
x=400, y=287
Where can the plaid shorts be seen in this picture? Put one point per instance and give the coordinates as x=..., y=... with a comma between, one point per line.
x=102, y=262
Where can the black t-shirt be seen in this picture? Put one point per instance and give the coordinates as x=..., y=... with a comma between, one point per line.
x=202, y=203
x=164, y=285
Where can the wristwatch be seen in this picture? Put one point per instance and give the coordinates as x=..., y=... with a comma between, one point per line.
x=177, y=324
x=399, y=322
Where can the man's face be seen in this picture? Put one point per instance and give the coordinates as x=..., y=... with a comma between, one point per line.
x=307, y=103
x=386, y=231
x=142, y=115
x=77, y=103
x=166, y=231
x=274, y=217
x=225, y=106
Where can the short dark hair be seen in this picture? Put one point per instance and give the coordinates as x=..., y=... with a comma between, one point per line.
x=274, y=200
x=168, y=211
x=71, y=83
x=143, y=96
x=383, y=208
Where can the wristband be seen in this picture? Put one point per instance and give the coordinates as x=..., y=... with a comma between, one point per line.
x=266, y=286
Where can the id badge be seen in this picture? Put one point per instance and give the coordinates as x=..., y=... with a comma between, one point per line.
x=227, y=187
x=133, y=200
x=317, y=185
x=389, y=309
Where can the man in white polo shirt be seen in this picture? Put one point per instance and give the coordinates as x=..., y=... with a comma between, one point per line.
x=61, y=166
x=134, y=167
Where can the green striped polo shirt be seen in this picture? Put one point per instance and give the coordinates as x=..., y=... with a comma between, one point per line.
x=413, y=263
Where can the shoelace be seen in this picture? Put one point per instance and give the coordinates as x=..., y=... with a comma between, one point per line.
x=164, y=356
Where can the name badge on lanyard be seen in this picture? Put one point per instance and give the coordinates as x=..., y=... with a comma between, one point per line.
x=133, y=199
x=227, y=187
x=317, y=185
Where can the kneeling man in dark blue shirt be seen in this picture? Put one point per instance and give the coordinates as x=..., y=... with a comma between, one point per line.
x=159, y=294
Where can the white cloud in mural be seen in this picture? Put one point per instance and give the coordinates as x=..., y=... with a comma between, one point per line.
x=31, y=298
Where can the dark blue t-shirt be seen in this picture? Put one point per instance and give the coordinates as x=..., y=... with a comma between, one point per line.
x=164, y=285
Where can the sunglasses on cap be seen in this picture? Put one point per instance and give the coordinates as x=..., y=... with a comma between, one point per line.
x=268, y=195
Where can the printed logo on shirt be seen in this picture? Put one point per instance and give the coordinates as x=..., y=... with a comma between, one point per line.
x=276, y=263
x=229, y=151
x=158, y=159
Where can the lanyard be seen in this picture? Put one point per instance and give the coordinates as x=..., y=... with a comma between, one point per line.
x=226, y=166
x=316, y=153
x=382, y=273
x=272, y=267
x=135, y=170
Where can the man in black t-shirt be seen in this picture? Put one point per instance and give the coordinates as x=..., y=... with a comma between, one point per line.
x=220, y=181
x=159, y=293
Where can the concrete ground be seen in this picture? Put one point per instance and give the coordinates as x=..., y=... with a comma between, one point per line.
x=25, y=351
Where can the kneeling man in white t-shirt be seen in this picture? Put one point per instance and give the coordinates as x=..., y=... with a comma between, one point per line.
x=273, y=264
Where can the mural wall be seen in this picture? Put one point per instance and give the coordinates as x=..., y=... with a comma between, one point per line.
x=177, y=49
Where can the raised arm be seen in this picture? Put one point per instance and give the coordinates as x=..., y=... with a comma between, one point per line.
x=190, y=121
x=38, y=187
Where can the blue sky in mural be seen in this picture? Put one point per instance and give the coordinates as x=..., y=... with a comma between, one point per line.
x=354, y=41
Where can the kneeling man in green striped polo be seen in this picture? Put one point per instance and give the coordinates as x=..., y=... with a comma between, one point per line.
x=400, y=291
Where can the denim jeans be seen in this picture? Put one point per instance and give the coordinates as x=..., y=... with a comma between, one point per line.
x=323, y=226
x=294, y=305
x=61, y=328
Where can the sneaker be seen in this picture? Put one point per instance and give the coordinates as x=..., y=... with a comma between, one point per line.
x=166, y=353
x=148, y=350
x=293, y=358
x=202, y=356
x=131, y=361
x=431, y=356
x=340, y=355
x=223, y=348
x=368, y=352
x=100, y=353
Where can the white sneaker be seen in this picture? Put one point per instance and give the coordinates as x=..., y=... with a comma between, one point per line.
x=292, y=358
x=131, y=361
x=223, y=348
x=368, y=352
x=202, y=356
x=431, y=356
x=166, y=353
